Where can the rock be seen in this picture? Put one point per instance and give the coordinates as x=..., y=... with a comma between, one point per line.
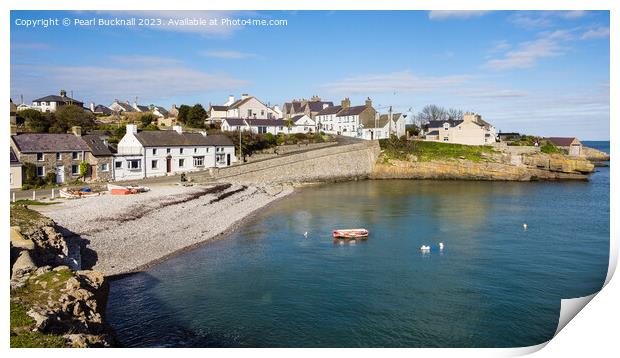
x=41, y=270
x=60, y=268
x=18, y=240
x=23, y=264
x=40, y=319
x=72, y=284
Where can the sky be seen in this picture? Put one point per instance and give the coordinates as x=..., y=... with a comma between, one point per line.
x=536, y=72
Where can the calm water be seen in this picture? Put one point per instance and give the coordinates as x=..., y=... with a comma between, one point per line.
x=495, y=285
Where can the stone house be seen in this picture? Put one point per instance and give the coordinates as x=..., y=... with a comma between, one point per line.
x=346, y=120
x=471, y=130
x=52, y=102
x=59, y=153
x=571, y=145
x=120, y=107
x=308, y=107
x=16, y=171
x=99, y=157
x=158, y=153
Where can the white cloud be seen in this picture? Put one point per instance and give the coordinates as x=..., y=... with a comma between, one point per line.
x=527, y=54
x=228, y=54
x=598, y=33
x=455, y=14
x=574, y=14
x=403, y=81
x=127, y=78
x=145, y=60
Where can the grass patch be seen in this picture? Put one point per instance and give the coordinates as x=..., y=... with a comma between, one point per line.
x=38, y=290
x=34, y=202
x=23, y=337
x=22, y=216
x=427, y=151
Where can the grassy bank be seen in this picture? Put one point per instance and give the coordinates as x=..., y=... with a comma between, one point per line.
x=402, y=149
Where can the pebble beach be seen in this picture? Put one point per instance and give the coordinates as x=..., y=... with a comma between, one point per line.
x=128, y=233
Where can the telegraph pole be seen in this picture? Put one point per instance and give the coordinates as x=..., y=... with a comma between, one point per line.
x=390, y=127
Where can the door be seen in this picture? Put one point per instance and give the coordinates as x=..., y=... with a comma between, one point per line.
x=228, y=159
x=574, y=150
x=168, y=164
x=60, y=175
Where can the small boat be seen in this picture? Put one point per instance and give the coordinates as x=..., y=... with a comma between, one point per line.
x=127, y=190
x=350, y=234
x=76, y=194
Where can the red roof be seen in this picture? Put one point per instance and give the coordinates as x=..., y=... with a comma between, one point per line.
x=562, y=141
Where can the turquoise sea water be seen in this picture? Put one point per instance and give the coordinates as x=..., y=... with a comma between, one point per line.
x=495, y=284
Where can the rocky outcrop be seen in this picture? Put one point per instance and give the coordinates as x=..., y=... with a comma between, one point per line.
x=59, y=301
x=558, y=163
x=465, y=170
x=594, y=155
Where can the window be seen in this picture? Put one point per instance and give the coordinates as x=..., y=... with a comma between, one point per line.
x=167, y=150
x=446, y=126
x=199, y=161
x=40, y=157
x=75, y=169
x=445, y=139
x=154, y=164
x=180, y=150
x=249, y=113
x=207, y=150
x=75, y=155
x=262, y=129
x=58, y=156
x=220, y=158
x=134, y=164
x=262, y=113
x=103, y=167
x=181, y=163
x=40, y=171
x=154, y=151
x=195, y=150
x=118, y=165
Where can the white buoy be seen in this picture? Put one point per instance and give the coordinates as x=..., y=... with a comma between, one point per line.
x=524, y=226
x=425, y=248
x=306, y=234
x=441, y=246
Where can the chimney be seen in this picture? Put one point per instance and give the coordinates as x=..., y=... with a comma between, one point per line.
x=244, y=96
x=92, y=107
x=77, y=131
x=132, y=128
x=368, y=102
x=231, y=100
x=346, y=103
x=178, y=129
x=63, y=93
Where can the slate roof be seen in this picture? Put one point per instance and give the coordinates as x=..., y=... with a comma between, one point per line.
x=143, y=108
x=561, y=141
x=235, y=121
x=239, y=102
x=351, y=111
x=126, y=107
x=219, y=108
x=439, y=124
x=162, y=110
x=100, y=108
x=267, y=122
x=96, y=145
x=59, y=99
x=317, y=106
x=433, y=133
x=49, y=142
x=329, y=110
x=170, y=138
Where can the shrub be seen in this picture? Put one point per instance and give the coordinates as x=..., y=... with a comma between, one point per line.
x=84, y=169
x=50, y=178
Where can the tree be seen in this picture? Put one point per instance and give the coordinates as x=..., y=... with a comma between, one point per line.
x=71, y=115
x=147, y=118
x=455, y=114
x=35, y=121
x=431, y=112
x=183, y=113
x=196, y=116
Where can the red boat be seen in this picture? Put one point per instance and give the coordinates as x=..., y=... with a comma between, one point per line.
x=350, y=234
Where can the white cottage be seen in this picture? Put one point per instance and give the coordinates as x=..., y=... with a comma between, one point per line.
x=52, y=102
x=157, y=153
x=302, y=124
x=260, y=126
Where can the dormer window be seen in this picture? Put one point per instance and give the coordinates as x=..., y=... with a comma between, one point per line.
x=446, y=126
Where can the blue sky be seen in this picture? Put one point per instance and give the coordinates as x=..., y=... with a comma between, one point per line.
x=538, y=72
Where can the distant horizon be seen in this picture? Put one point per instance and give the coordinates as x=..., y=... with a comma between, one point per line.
x=534, y=72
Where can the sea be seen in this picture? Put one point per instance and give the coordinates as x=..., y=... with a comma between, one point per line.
x=512, y=251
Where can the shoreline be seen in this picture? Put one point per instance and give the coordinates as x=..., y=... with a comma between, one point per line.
x=220, y=236
x=126, y=235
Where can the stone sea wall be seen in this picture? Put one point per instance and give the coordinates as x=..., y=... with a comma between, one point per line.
x=331, y=163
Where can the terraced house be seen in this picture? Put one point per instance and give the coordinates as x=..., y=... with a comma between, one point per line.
x=61, y=154
x=347, y=120
x=158, y=153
